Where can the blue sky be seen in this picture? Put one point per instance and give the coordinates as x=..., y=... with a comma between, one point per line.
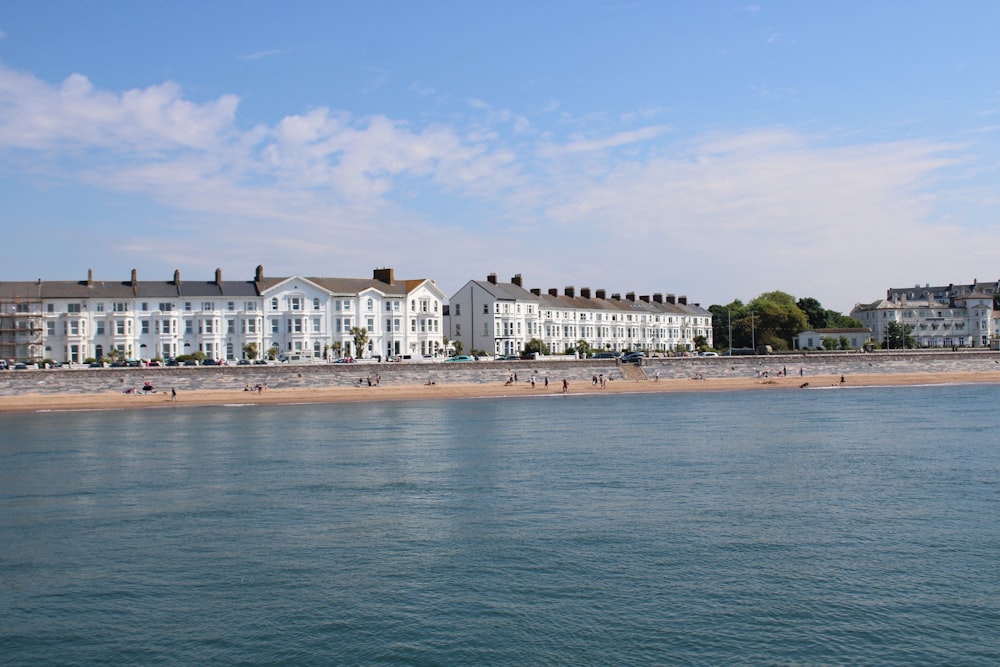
x=717, y=149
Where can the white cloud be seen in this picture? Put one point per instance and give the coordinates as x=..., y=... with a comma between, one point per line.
x=720, y=216
x=260, y=55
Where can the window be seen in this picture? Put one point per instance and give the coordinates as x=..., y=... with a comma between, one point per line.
x=187, y=306
x=486, y=309
x=371, y=304
x=50, y=307
x=165, y=307
x=50, y=328
x=395, y=325
x=207, y=305
x=315, y=326
x=295, y=303
x=120, y=327
x=209, y=326
x=250, y=305
x=145, y=307
x=100, y=329
x=274, y=303
x=74, y=328
x=167, y=327
x=458, y=309
x=145, y=327
x=231, y=306
x=371, y=324
x=388, y=306
x=100, y=307
x=315, y=304
x=252, y=326
x=120, y=307
x=188, y=327
x=275, y=326
x=230, y=326
x=413, y=325
x=72, y=308
x=347, y=305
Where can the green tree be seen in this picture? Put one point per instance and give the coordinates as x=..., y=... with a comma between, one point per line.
x=701, y=344
x=582, y=348
x=360, y=336
x=897, y=336
x=457, y=346
x=536, y=345
x=250, y=350
x=777, y=319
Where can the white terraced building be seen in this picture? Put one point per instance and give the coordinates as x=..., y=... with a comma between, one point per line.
x=297, y=315
x=500, y=318
x=941, y=316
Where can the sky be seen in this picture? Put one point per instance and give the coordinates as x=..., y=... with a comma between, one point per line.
x=716, y=150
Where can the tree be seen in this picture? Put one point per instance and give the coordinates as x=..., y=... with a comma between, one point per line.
x=701, y=343
x=822, y=318
x=778, y=319
x=897, y=336
x=457, y=346
x=250, y=350
x=337, y=347
x=536, y=345
x=583, y=348
x=272, y=353
x=360, y=336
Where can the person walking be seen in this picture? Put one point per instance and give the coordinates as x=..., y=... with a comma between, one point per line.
x=173, y=394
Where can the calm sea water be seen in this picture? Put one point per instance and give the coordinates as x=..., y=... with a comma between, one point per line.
x=849, y=526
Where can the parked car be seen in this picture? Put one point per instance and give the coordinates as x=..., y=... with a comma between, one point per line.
x=172, y=362
x=190, y=362
x=460, y=358
x=606, y=355
x=209, y=362
x=260, y=362
x=708, y=354
x=633, y=357
x=243, y=362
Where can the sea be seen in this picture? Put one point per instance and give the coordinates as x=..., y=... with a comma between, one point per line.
x=841, y=526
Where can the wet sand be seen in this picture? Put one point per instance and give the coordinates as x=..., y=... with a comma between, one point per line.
x=447, y=391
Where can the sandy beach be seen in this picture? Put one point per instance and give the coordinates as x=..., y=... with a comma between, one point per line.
x=442, y=391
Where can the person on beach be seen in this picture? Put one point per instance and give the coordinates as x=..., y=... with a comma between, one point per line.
x=532, y=380
x=656, y=375
x=546, y=380
x=565, y=386
x=173, y=394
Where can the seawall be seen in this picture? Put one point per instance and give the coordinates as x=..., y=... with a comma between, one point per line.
x=97, y=380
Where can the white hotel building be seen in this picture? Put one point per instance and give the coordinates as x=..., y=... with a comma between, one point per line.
x=297, y=315
x=500, y=318
x=941, y=316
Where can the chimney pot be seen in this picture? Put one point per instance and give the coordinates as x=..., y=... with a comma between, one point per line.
x=517, y=280
x=585, y=292
x=491, y=278
x=570, y=291
x=601, y=294
x=553, y=291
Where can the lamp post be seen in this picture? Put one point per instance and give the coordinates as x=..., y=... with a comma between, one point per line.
x=753, y=334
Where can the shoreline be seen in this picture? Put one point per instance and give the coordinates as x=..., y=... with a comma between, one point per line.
x=108, y=400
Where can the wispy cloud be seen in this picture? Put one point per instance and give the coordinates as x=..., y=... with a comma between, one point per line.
x=259, y=55
x=744, y=210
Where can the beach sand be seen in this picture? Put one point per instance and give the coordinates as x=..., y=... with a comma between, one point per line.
x=445, y=391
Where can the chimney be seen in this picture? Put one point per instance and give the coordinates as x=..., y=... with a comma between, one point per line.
x=585, y=292
x=616, y=297
x=569, y=291
x=683, y=300
x=644, y=298
x=553, y=291
x=601, y=294
x=135, y=283
x=90, y=277
x=384, y=275
x=630, y=296
x=671, y=299
x=491, y=278
x=517, y=280
x=657, y=297
x=177, y=277
x=536, y=291
x=218, y=277
x=259, y=274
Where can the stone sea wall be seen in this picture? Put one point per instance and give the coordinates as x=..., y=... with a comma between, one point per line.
x=88, y=380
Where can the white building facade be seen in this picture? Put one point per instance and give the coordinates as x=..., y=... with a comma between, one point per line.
x=305, y=317
x=952, y=316
x=500, y=318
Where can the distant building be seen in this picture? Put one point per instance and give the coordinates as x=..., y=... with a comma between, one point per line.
x=951, y=316
x=500, y=318
x=812, y=339
x=305, y=316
